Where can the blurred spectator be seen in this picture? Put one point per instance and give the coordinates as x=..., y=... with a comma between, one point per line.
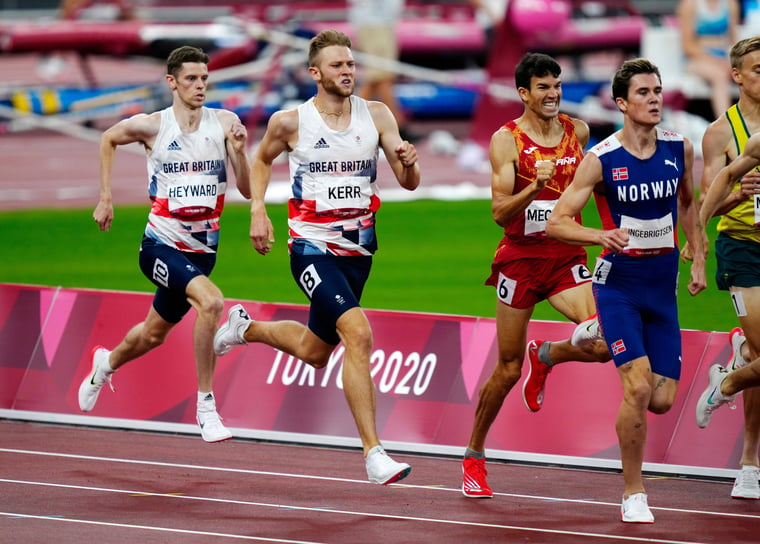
x=374, y=24
x=708, y=29
x=72, y=9
x=55, y=64
x=489, y=14
x=751, y=17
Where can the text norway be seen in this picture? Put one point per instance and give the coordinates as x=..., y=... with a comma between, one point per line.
x=647, y=191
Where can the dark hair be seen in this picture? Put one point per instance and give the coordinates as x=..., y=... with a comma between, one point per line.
x=622, y=79
x=326, y=38
x=186, y=53
x=743, y=48
x=535, y=65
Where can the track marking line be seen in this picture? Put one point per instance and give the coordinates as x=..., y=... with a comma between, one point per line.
x=14, y=515
x=322, y=510
x=404, y=484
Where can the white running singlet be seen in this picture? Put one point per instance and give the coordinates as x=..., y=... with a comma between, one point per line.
x=334, y=196
x=187, y=182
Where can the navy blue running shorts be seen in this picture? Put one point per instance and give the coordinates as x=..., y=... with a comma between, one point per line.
x=636, y=302
x=333, y=284
x=171, y=270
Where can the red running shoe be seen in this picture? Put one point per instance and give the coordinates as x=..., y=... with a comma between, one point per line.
x=533, y=387
x=474, y=483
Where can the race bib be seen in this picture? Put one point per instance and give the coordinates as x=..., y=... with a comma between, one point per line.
x=342, y=192
x=756, y=206
x=505, y=288
x=536, y=215
x=309, y=280
x=601, y=271
x=192, y=195
x=648, y=236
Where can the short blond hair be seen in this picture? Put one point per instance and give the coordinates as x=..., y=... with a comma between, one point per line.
x=326, y=38
x=743, y=48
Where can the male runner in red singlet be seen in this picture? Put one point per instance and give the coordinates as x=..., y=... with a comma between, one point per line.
x=533, y=159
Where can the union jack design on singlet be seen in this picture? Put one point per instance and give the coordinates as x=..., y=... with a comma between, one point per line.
x=187, y=183
x=332, y=210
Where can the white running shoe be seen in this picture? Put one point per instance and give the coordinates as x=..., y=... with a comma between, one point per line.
x=381, y=469
x=746, y=485
x=93, y=383
x=712, y=398
x=230, y=334
x=212, y=429
x=586, y=332
x=636, y=510
x=736, y=339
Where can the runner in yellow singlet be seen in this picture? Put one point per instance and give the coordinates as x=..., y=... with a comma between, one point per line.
x=737, y=247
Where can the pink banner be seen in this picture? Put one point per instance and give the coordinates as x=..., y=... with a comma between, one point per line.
x=427, y=369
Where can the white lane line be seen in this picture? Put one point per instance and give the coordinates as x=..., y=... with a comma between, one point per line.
x=350, y=480
x=342, y=512
x=154, y=528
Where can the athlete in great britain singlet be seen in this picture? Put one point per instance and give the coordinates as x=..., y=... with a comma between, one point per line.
x=187, y=183
x=333, y=207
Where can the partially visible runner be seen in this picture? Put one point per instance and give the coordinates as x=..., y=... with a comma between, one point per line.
x=333, y=141
x=737, y=248
x=641, y=177
x=533, y=159
x=188, y=147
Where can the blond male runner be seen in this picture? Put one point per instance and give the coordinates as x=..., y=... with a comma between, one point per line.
x=333, y=141
x=737, y=248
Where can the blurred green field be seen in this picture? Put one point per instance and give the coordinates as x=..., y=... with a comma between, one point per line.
x=434, y=257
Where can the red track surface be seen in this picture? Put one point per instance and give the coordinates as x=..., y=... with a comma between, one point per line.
x=72, y=485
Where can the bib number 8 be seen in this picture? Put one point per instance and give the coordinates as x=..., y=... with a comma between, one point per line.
x=309, y=280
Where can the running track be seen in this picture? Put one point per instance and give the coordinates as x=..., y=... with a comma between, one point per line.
x=69, y=485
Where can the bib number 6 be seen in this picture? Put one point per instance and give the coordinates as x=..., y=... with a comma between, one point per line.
x=505, y=289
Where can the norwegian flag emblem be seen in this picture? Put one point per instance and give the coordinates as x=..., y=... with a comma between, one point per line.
x=618, y=346
x=619, y=174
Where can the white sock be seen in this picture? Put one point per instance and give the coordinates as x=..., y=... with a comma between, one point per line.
x=204, y=398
